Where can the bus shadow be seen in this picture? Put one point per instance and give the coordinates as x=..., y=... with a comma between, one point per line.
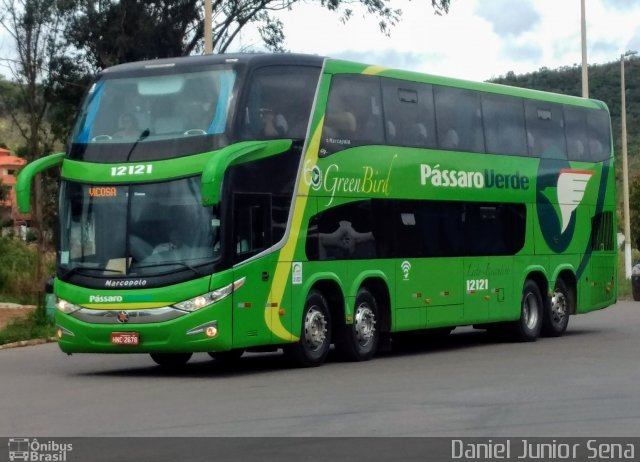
x=264, y=363
x=202, y=368
x=463, y=338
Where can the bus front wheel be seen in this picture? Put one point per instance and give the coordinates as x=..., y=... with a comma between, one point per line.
x=315, y=337
x=359, y=341
x=171, y=360
x=527, y=328
x=556, y=318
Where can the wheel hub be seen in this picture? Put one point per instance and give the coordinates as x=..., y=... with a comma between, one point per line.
x=530, y=311
x=365, y=321
x=558, y=307
x=315, y=329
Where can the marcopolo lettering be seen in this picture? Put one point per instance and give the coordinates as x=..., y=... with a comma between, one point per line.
x=471, y=179
x=105, y=298
x=125, y=283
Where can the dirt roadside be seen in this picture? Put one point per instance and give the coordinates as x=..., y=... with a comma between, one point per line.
x=11, y=311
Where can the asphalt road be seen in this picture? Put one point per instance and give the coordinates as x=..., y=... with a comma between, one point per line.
x=586, y=383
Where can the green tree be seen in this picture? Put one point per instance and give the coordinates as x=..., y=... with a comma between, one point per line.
x=36, y=29
x=108, y=32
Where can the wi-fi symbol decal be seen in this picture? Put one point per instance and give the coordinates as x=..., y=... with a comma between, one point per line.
x=405, y=266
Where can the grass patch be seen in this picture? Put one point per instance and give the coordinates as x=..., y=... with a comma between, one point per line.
x=35, y=325
x=18, y=269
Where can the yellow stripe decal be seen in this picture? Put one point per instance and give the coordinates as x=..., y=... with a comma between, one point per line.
x=374, y=70
x=281, y=276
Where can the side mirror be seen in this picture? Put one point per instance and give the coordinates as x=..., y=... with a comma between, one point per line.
x=26, y=176
x=214, y=170
x=48, y=286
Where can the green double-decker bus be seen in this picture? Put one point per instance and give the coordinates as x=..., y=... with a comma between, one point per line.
x=250, y=202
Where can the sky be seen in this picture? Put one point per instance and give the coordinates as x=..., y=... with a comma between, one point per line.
x=477, y=40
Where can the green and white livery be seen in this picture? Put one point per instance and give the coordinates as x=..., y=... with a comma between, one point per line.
x=235, y=202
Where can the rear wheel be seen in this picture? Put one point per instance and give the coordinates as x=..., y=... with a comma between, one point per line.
x=556, y=318
x=359, y=341
x=315, y=338
x=635, y=288
x=171, y=360
x=527, y=328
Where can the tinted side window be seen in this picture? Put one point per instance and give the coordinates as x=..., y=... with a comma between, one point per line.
x=409, y=115
x=452, y=229
x=413, y=229
x=279, y=102
x=575, y=119
x=494, y=229
x=354, y=113
x=426, y=229
x=344, y=232
x=273, y=177
x=504, y=127
x=416, y=229
x=599, y=128
x=459, y=119
x=545, y=130
x=252, y=224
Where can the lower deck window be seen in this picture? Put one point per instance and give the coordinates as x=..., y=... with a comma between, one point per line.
x=414, y=229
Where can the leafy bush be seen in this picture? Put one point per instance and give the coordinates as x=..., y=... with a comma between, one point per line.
x=35, y=325
x=17, y=271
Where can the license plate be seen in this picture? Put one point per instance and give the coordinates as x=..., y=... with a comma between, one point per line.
x=125, y=338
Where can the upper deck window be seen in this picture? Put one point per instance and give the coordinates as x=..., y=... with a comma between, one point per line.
x=545, y=130
x=354, y=113
x=504, y=126
x=409, y=113
x=155, y=107
x=459, y=119
x=279, y=102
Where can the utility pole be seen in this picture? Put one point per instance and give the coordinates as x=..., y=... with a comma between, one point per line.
x=585, y=73
x=208, y=39
x=625, y=170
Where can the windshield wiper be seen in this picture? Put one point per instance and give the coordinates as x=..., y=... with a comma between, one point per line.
x=142, y=136
x=81, y=269
x=178, y=263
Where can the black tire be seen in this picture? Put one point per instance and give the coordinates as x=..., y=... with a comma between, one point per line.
x=315, y=336
x=559, y=307
x=171, y=360
x=528, y=327
x=227, y=357
x=359, y=341
x=635, y=288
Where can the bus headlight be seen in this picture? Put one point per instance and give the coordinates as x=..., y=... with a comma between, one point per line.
x=66, y=307
x=209, y=298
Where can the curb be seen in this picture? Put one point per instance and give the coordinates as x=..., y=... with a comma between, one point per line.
x=15, y=306
x=23, y=343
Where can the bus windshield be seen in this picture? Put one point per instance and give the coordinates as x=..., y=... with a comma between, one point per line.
x=141, y=108
x=136, y=230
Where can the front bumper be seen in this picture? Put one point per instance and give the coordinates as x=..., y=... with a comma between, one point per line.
x=178, y=335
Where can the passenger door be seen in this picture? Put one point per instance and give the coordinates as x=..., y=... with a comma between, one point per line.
x=251, y=235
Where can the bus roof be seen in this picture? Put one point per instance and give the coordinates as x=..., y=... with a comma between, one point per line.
x=338, y=66
x=253, y=59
